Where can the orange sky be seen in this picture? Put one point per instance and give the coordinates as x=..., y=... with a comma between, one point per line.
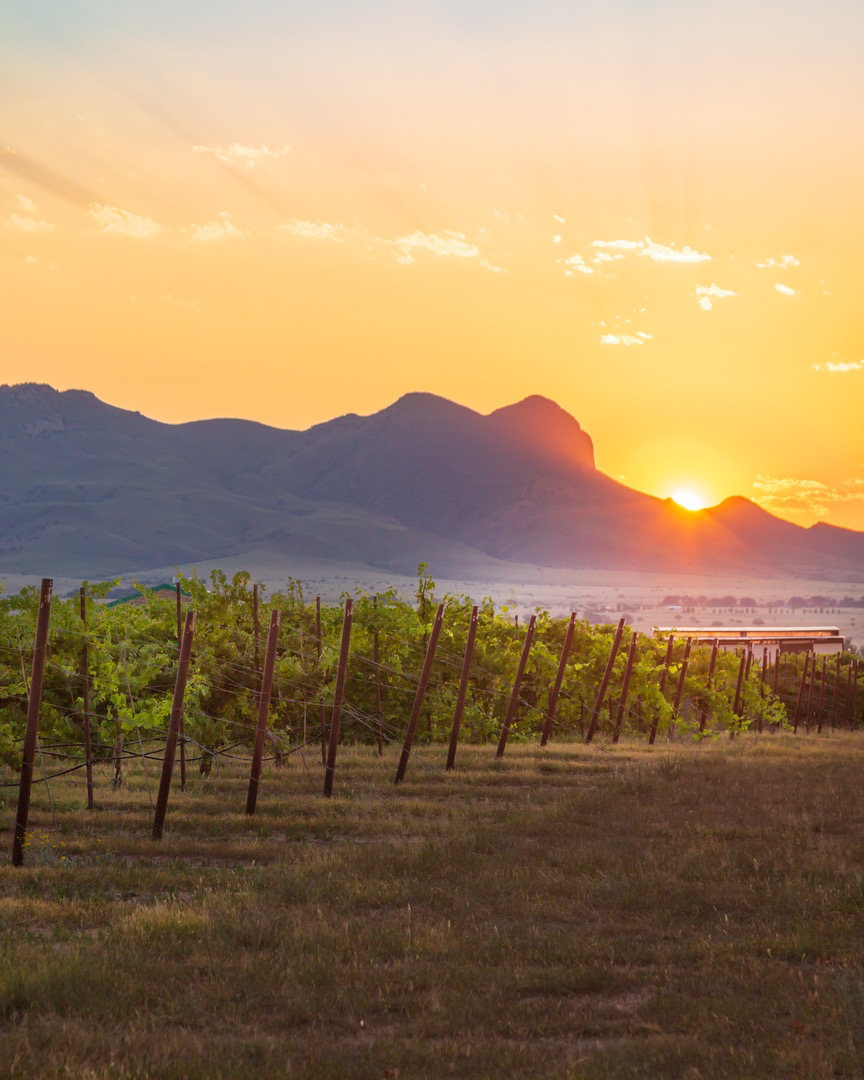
x=651, y=216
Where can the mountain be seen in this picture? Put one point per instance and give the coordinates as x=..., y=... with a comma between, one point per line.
x=92, y=490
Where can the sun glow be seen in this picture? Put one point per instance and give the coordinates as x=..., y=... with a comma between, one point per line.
x=689, y=499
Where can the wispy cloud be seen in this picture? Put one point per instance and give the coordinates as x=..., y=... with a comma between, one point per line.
x=559, y=219
x=707, y=294
x=223, y=229
x=652, y=250
x=114, y=219
x=26, y=224
x=800, y=496
x=779, y=264
x=450, y=243
x=835, y=367
x=639, y=338
x=316, y=230
x=785, y=290
x=240, y=154
x=623, y=245
x=492, y=267
x=574, y=264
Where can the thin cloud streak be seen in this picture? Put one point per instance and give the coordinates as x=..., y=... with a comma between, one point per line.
x=654, y=251
x=835, y=367
x=114, y=219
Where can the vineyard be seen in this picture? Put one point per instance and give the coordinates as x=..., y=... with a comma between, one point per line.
x=221, y=674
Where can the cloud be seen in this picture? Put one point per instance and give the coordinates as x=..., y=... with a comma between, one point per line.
x=839, y=366
x=26, y=204
x=575, y=263
x=25, y=224
x=316, y=230
x=113, y=219
x=214, y=230
x=451, y=243
x=781, y=264
x=626, y=245
x=491, y=267
x=604, y=256
x=792, y=495
x=238, y=154
x=652, y=250
x=639, y=338
x=708, y=293
x=556, y=239
x=659, y=253
x=785, y=289
x=559, y=219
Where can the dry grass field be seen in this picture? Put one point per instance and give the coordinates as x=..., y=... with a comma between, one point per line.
x=678, y=911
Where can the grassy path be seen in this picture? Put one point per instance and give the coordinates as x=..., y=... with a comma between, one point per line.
x=577, y=912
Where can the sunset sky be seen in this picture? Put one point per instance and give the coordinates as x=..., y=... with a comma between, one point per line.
x=649, y=211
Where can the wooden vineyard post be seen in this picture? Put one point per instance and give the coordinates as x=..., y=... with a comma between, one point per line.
x=263, y=708
x=821, y=707
x=801, y=689
x=85, y=698
x=604, y=683
x=320, y=645
x=179, y=612
x=431, y=646
x=809, y=713
x=709, y=683
x=552, y=707
x=777, y=659
x=255, y=623
x=737, y=705
x=853, y=692
x=513, y=704
x=762, y=680
x=836, y=692
x=703, y=712
x=338, y=698
x=379, y=720
x=749, y=662
x=463, y=690
x=178, y=606
x=681, y=675
x=34, y=702
x=664, y=675
x=622, y=704
x=174, y=725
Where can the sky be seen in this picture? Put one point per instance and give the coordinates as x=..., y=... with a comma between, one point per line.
x=647, y=211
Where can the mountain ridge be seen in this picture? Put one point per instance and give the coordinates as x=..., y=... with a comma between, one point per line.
x=89, y=488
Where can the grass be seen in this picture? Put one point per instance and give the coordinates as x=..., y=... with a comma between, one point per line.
x=679, y=911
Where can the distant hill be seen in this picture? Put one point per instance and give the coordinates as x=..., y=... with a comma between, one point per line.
x=92, y=490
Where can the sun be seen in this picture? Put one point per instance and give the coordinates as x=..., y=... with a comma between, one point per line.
x=689, y=499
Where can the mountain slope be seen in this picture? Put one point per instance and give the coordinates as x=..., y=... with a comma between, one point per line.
x=95, y=490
